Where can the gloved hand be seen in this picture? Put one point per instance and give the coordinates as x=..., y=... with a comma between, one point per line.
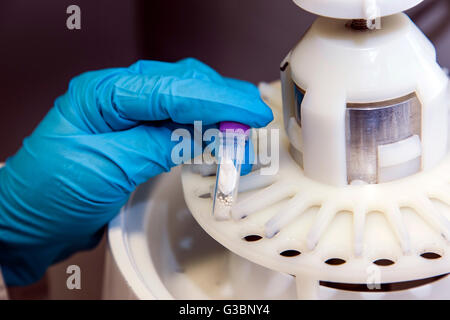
x=110, y=132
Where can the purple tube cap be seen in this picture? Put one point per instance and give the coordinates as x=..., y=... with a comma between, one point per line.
x=234, y=126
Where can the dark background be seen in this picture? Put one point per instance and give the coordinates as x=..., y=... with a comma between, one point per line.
x=240, y=38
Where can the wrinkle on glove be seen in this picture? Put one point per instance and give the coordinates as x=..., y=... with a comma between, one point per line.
x=110, y=132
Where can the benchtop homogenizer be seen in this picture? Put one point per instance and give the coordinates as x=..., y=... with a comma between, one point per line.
x=361, y=200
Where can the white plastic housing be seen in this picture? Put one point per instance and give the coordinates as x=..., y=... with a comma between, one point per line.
x=356, y=9
x=397, y=221
x=156, y=250
x=336, y=65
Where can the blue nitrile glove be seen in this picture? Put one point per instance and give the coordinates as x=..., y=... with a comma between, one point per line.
x=109, y=133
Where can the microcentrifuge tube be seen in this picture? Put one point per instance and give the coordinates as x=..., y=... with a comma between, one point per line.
x=231, y=155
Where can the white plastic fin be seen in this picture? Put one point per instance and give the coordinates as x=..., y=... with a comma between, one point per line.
x=323, y=219
x=359, y=222
x=293, y=208
x=262, y=199
x=425, y=208
x=395, y=218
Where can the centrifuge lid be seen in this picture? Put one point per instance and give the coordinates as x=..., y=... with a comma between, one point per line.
x=356, y=9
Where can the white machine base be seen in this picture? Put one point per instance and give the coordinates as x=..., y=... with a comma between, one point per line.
x=158, y=251
x=396, y=231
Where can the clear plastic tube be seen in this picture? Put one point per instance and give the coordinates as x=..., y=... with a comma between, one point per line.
x=231, y=156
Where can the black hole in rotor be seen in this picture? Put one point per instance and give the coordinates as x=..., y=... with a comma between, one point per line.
x=384, y=262
x=290, y=253
x=335, y=261
x=252, y=238
x=431, y=255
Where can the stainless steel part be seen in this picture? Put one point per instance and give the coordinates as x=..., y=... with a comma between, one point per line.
x=369, y=125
